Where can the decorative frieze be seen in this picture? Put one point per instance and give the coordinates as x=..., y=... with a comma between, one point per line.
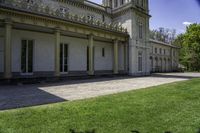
x=41, y=9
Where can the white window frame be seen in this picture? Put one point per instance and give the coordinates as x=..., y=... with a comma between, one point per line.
x=27, y=73
x=63, y=64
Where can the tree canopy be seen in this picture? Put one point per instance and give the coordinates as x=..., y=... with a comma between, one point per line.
x=190, y=47
x=163, y=34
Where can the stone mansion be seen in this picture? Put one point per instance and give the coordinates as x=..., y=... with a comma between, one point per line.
x=55, y=38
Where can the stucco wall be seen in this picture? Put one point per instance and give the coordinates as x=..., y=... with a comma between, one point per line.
x=43, y=50
x=131, y=20
x=171, y=60
x=77, y=53
x=121, y=57
x=126, y=21
x=158, y=46
x=1, y=50
x=100, y=62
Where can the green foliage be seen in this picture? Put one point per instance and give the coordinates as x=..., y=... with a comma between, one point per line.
x=190, y=47
x=171, y=107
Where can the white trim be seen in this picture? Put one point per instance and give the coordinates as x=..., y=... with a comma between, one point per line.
x=63, y=44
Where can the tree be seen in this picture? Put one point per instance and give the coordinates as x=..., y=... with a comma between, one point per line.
x=190, y=47
x=163, y=34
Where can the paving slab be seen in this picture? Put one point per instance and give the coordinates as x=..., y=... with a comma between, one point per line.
x=30, y=95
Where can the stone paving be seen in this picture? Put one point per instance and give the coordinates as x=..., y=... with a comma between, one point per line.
x=30, y=95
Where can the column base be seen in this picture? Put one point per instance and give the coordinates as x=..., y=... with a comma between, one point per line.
x=116, y=72
x=91, y=73
x=7, y=76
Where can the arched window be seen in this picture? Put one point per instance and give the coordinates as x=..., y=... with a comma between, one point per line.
x=140, y=30
x=115, y=3
x=142, y=3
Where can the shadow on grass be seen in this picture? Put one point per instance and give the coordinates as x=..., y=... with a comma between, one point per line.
x=87, y=131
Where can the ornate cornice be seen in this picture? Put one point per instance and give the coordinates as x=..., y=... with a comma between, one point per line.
x=81, y=4
x=45, y=11
x=19, y=18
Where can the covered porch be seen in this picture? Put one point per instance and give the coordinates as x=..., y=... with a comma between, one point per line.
x=39, y=46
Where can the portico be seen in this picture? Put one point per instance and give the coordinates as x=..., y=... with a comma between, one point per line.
x=59, y=32
x=58, y=38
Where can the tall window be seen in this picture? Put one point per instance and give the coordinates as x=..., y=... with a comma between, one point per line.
x=103, y=52
x=142, y=3
x=103, y=18
x=140, y=30
x=156, y=50
x=115, y=3
x=140, y=61
x=121, y=2
x=63, y=58
x=27, y=56
x=137, y=2
x=160, y=50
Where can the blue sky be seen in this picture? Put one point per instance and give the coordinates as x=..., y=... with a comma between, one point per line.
x=173, y=14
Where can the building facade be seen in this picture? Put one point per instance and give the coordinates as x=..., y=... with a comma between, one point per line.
x=163, y=57
x=54, y=38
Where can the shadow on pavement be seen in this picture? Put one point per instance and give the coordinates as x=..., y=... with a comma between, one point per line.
x=18, y=96
x=21, y=96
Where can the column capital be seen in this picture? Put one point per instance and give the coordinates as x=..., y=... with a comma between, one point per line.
x=57, y=30
x=8, y=21
x=90, y=35
x=116, y=41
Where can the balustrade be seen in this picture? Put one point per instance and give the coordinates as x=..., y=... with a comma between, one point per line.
x=40, y=8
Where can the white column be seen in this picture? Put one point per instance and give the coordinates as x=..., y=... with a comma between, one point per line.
x=115, y=67
x=57, y=53
x=147, y=50
x=7, y=50
x=91, y=55
x=125, y=56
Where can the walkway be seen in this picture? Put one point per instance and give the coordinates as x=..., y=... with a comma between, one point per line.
x=30, y=95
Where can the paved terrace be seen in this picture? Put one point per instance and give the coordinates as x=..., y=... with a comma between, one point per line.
x=38, y=94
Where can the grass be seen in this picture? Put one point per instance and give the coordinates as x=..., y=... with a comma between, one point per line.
x=172, y=107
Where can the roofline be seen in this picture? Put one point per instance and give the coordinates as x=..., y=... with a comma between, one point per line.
x=163, y=43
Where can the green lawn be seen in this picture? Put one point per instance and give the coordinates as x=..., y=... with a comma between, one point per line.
x=173, y=107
